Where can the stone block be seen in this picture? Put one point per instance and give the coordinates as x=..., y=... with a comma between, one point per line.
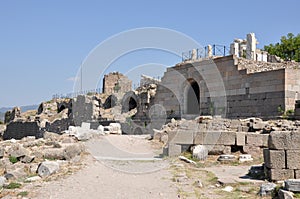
x=280, y=174
x=292, y=185
x=240, y=139
x=47, y=168
x=274, y=159
x=283, y=194
x=284, y=140
x=218, y=149
x=215, y=138
x=255, y=151
x=255, y=139
x=174, y=149
x=181, y=137
x=293, y=159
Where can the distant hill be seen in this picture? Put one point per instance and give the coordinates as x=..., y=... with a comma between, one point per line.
x=23, y=109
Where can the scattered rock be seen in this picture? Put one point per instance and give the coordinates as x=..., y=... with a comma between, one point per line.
x=266, y=189
x=27, y=159
x=228, y=189
x=292, y=185
x=187, y=160
x=245, y=158
x=200, y=152
x=17, y=151
x=283, y=194
x=47, y=168
x=226, y=158
x=2, y=181
x=33, y=179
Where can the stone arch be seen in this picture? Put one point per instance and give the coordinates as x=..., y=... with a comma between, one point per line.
x=129, y=101
x=110, y=102
x=192, y=97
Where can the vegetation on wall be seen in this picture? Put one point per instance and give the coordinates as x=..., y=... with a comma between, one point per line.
x=288, y=48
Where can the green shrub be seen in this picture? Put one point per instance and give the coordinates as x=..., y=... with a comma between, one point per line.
x=13, y=185
x=13, y=159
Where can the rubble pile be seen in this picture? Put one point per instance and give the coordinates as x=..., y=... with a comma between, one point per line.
x=260, y=66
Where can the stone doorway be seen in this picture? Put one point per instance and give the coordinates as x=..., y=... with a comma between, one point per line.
x=192, y=96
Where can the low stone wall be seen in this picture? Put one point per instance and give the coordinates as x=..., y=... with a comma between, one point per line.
x=282, y=158
x=217, y=142
x=19, y=130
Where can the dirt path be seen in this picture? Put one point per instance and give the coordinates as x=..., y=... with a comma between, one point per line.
x=121, y=167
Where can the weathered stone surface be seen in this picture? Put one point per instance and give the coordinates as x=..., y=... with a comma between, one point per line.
x=72, y=150
x=255, y=151
x=174, y=149
x=215, y=137
x=293, y=159
x=283, y=194
x=218, y=149
x=27, y=159
x=1, y=152
x=266, y=189
x=18, y=130
x=53, y=153
x=17, y=150
x=200, y=152
x=33, y=179
x=280, y=174
x=292, y=185
x=2, y=181
x=17, y=170
x=274, y=159
x=284, y=140
x=240, y=138
x=47, y=168
x=181, y=137
x=255, y=139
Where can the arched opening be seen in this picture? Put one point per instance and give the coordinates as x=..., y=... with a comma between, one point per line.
x=129, y=101
x=192, y=97
x=132, y=104
x=61, y=108
x=110, y=102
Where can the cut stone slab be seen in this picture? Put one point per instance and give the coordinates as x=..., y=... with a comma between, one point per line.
x=255, y=139
x=240, y=139
x=293, y=159
x=280, y=174
x=292, y=185
x=215, y=138
x=47, y=168
x=266, y=189
x=174, y=149
x=181, y=137
x=226, y=158
x=274, y=159
x=283, y=194
x=245, y=158
x=284, y=140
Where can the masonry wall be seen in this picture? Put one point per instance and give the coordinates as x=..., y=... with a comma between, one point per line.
x=116, y=82
x=18, y=130
x=245, y=94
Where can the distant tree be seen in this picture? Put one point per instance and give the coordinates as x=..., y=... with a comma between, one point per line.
x=287, y=49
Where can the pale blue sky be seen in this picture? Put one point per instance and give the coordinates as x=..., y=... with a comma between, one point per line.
x=42, y=43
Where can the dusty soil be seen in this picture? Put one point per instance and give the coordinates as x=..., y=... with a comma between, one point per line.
x=131, y=167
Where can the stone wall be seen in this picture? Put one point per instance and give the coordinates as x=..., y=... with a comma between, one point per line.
x=247, y=88
x=18, y=130
x=116, y=82
x=85, y=109
x=282, y=158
